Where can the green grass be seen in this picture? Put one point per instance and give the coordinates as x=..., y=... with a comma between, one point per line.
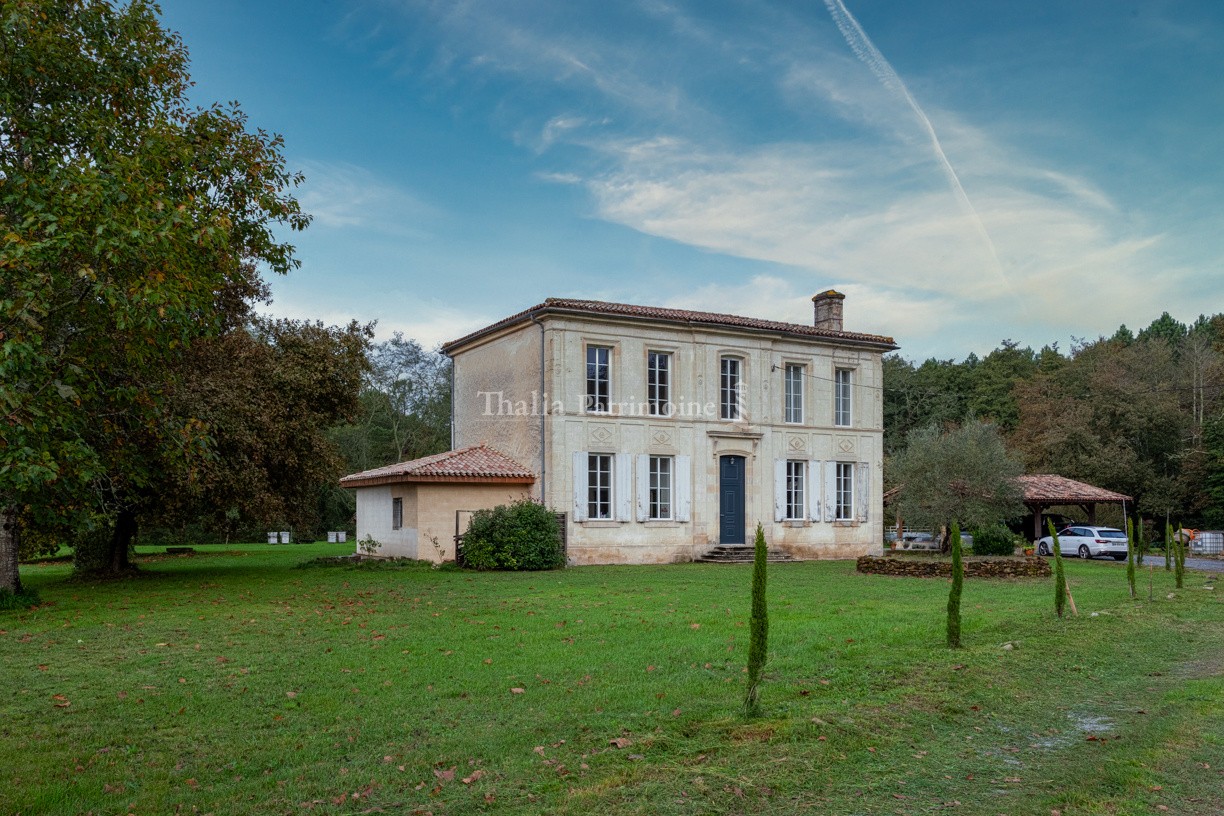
x=230, y=682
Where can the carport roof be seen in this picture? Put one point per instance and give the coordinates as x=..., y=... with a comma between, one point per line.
x=476, y=464
x=1047, y=489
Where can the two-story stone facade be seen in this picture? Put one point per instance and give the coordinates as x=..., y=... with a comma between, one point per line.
x=663, y=433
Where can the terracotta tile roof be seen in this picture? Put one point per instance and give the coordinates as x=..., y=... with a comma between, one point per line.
x=1047, y=489
x=599, y=307
x=476, y=463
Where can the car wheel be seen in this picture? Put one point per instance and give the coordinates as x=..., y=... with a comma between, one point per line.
x=1042, y=549
x=1084, y=552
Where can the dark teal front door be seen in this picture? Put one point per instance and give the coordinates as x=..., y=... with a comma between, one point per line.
x=731, y=500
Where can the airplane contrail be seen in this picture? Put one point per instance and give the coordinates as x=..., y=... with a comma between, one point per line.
x=865, y=50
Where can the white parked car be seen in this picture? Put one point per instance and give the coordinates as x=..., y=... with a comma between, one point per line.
x=1086, y=542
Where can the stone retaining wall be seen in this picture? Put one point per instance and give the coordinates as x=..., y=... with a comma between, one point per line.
x=1026, y=567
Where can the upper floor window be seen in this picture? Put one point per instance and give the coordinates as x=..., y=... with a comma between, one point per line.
x=599, y=486
x=795, y=489
x=730, y=388
x=598, y=378
x=794, y=393
x=658, y=383
x=661, y=487
x=844, y=492
x=842, y=403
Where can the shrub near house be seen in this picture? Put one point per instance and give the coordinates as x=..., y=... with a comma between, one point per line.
x=519, y=536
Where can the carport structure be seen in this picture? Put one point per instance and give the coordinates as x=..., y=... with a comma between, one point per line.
x=1041, y=492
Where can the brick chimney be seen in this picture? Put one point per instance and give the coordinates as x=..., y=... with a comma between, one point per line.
x=829, y=310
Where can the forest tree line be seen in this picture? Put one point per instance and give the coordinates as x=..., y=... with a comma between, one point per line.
x=1137, y=413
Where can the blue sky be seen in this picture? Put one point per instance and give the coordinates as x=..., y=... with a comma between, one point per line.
x=964, y=171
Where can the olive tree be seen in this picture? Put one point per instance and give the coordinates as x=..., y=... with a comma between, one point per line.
x=963, y=476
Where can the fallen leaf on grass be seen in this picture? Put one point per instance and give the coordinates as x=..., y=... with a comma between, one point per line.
x=518, y=690
x=445, y=776
x=539, y=749
x=467, y=780
x=620, y=742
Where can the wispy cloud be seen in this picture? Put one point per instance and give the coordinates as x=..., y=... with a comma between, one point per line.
x=832, y=174
x=347, y=196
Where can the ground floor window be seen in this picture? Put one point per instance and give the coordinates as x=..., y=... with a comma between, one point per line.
x=599, y=486
x=397, y=514
x=795, y=490
x=661, y=468
x=844, y=496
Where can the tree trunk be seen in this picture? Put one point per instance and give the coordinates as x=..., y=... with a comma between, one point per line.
x=121, y=542
x=10, y=575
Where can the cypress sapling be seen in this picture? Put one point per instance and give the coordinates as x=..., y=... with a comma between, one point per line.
x=758, y=627
x=954, y=595
x=1060, y=578
x=1179, y=558
x=1168, y=546
x=1130, y=557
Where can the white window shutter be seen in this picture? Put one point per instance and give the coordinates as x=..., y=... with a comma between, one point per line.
x=643, y=487
x=580, y=485
x=814, y=494
x=623, y=477
x=862, y=487
x=779, y=489
x=683, y=488
x=830, y=490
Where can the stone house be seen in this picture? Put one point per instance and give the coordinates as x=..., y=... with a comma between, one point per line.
x=663, y=433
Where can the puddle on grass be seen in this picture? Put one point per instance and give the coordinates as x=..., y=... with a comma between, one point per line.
x=1081, y=723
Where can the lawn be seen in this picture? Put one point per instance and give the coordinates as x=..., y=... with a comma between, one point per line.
x=231, y=681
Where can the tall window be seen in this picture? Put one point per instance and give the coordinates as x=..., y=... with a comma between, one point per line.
x=795, y=490
x=845, y=491
x=730, y=393
x=599, y=486
x=842, y=405
x=658, y=383
x=794, y=393
x=598, y=378
x=397, y=514
x=661, y=487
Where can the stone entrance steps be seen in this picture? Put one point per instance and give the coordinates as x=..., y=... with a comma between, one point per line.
x=740, y=554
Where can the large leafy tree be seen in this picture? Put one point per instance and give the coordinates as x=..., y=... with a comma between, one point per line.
x=405, y=407
x=265, y=394
x=129, y=220
x=963, y=476
x=1111, y=416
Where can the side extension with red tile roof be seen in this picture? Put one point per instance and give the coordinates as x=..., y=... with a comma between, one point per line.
x=473, y=464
